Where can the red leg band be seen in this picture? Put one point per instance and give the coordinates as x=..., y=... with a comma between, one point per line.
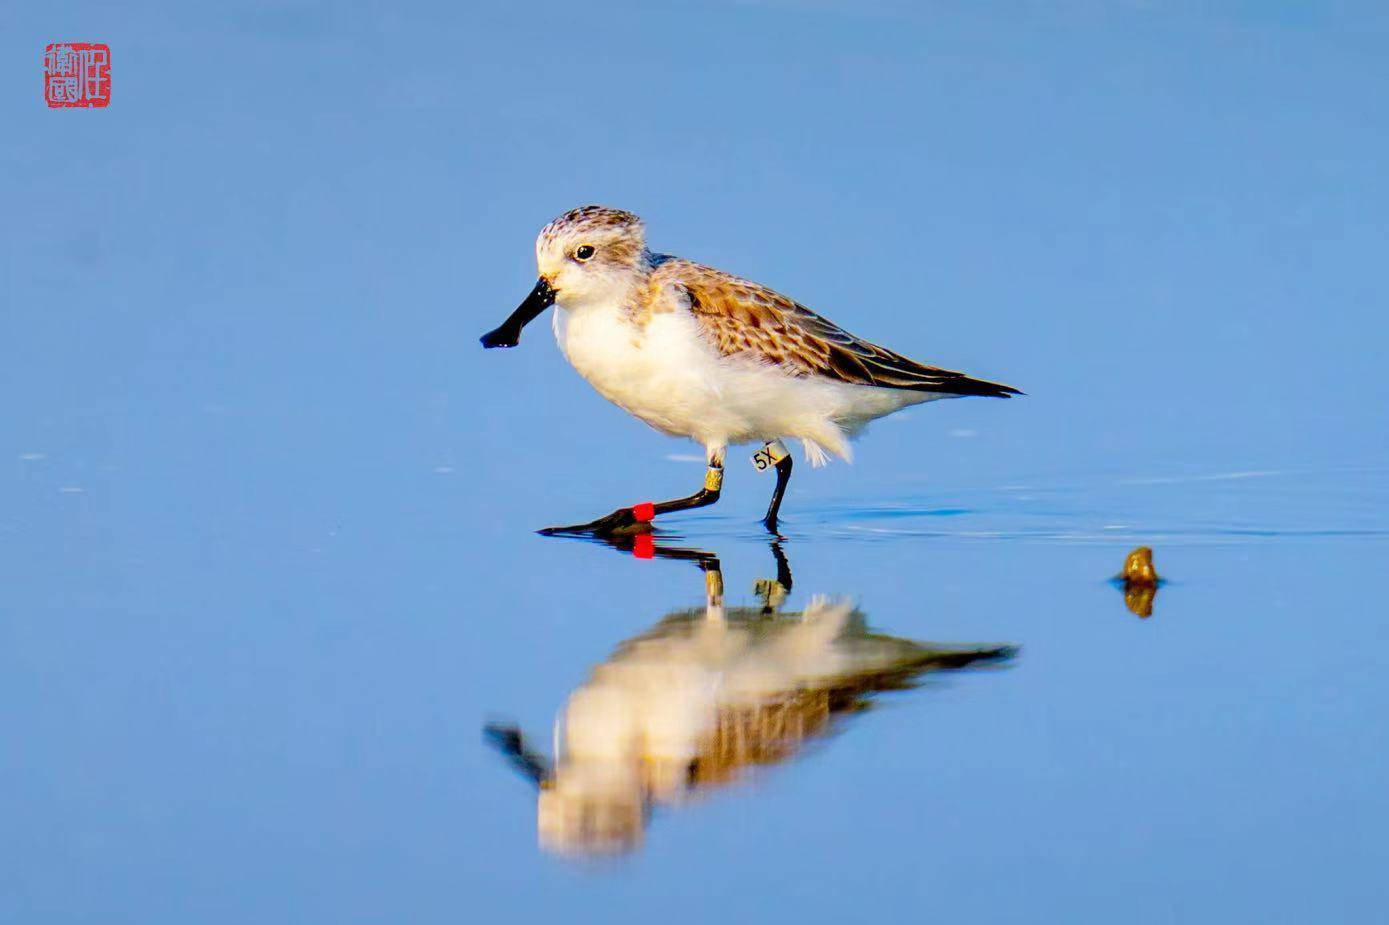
x=643, y=547
x=644, y=512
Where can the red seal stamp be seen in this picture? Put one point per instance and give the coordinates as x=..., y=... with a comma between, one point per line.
x=77, y=75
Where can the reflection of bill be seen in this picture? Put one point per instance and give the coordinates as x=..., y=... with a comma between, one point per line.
x=702, y=697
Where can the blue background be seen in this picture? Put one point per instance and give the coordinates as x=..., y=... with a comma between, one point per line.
x=266, y=560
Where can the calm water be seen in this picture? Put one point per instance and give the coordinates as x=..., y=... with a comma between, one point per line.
x=267, y=560
x=209, y=724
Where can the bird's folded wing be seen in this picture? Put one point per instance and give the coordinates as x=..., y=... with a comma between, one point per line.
x=742, y=317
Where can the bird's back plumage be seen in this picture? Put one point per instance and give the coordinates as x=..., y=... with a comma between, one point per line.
x=743, y=318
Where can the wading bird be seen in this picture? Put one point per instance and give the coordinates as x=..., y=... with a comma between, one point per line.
x=699, y=353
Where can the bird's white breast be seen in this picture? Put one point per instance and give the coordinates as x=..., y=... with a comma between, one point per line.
x=665, y=372
x=662, y=371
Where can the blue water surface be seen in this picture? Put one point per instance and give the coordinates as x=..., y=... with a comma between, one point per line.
x=267, y=560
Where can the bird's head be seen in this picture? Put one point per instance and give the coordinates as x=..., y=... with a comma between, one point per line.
x=589, y=255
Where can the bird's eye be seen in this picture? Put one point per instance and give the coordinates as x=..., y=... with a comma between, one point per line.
x=583, y=252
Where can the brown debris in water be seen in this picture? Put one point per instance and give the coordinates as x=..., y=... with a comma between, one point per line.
x=1141, y=582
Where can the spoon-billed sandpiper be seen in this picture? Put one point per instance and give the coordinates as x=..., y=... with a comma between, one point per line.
x=699, y=353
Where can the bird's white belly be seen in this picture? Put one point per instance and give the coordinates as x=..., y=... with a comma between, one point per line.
x=669, y=376
x=663, y=372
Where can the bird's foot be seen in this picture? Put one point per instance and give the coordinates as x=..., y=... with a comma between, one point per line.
x=624, y=521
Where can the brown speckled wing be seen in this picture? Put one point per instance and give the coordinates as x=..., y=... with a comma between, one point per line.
x=742, y=317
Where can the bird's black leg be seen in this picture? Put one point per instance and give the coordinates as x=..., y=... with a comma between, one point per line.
x=638, y=517
x=783, y=475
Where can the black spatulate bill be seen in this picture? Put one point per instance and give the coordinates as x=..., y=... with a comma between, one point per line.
x=508, y=334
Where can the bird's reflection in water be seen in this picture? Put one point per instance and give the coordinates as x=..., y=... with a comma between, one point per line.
x=705, y=695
